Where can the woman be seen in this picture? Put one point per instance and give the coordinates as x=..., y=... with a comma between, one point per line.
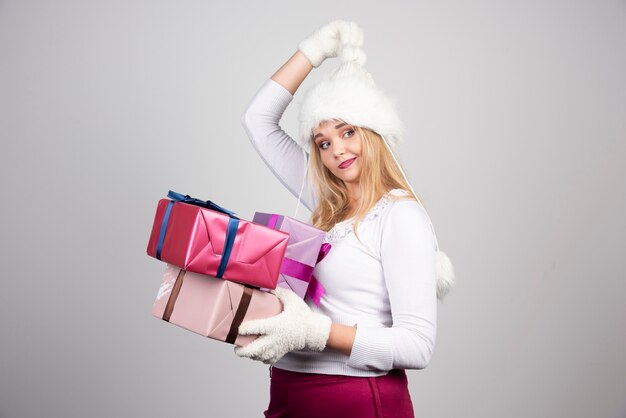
x=346, y=357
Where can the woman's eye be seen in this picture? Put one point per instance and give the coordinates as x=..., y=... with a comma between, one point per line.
x=324, y=145
x=351, y=132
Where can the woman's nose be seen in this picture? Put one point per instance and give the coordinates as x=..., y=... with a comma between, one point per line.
x=338, y=148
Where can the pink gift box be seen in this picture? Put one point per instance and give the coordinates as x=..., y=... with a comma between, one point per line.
x=210, y=306
x=194, y=238
x=303, y=250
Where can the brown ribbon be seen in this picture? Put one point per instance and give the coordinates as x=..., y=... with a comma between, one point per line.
x=169, y=308
x=246, y=297
x=244, y=303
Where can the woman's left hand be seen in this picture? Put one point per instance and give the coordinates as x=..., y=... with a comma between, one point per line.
x=326, y=41
x=295, y=328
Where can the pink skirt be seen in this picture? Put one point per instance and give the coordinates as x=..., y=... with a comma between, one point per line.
x=304, y=395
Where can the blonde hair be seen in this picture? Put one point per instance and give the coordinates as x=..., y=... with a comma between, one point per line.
x=379, y=174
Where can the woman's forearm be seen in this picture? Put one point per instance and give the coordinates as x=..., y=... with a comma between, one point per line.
x=341, y=338
x=293, y=72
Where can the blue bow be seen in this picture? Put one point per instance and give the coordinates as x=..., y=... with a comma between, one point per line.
x=178, y=197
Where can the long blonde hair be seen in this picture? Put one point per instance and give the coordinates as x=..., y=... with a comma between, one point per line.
x=379, y=174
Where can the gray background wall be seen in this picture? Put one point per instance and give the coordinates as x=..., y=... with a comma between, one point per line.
x=515, y=113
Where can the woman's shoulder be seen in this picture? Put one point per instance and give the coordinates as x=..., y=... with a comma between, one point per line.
x=397, y=192
x=386, y=201
x=403, y=222
x=402, y=207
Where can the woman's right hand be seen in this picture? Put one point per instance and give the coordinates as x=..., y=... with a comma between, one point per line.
x=326, y=40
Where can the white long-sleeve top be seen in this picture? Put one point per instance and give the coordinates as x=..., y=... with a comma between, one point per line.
x=385, y=284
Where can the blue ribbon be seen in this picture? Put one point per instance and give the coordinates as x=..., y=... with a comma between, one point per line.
x=233, y=224
x=163, y=228
x=203, y=203
x=231, y=232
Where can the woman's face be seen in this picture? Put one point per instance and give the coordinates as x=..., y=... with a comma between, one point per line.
x=339, y=145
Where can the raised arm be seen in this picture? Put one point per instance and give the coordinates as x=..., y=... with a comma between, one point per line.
x=293, y=72
x=286, y=159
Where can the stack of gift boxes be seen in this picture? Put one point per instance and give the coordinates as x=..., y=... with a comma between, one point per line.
x=220, y=268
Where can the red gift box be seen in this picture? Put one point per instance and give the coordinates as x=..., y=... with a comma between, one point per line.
x=209, y=242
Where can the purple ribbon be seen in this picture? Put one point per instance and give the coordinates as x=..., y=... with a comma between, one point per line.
x=291, y=267
x=315, y=290
x=272, y=222
x=300, y=270
x=296, y=269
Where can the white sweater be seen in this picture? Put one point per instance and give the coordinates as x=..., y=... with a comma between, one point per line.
x=385, y=284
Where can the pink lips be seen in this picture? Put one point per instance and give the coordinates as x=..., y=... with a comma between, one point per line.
x=347, y=163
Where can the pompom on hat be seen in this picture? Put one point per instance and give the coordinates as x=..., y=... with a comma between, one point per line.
x=351, y=95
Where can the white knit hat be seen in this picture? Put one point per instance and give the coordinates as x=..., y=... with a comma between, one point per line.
x=350, y=94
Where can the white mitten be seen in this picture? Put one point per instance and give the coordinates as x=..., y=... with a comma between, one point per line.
x=295, y=328
x=325, y=41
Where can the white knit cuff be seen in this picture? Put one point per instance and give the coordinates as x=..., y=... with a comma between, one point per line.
x=279, y=98
x=371, y=349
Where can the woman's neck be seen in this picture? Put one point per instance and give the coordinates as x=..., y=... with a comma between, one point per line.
x=352, y=205
x=354, y=194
